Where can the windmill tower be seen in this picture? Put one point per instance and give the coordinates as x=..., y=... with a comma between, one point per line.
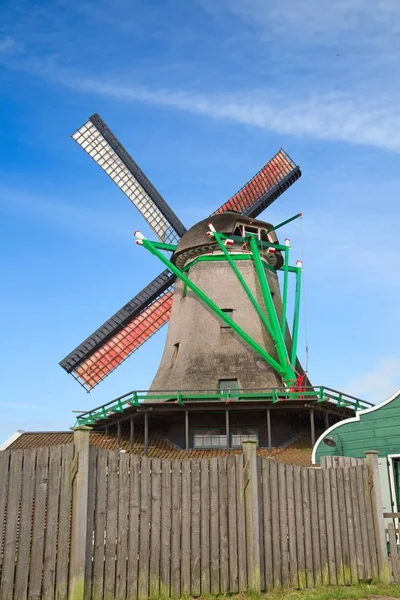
x=228, y=323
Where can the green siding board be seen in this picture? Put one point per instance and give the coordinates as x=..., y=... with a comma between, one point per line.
x=375, y=430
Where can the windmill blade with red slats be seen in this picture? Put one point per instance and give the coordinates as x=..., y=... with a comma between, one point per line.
x=265, y=187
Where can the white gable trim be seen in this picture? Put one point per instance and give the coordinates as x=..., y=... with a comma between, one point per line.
x=11, y=439
x=351, y=420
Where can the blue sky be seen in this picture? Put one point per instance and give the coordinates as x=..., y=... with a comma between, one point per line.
x=202, y=93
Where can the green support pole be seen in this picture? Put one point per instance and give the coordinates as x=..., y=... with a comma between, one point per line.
x=285, y=222
x=256, y=347
x=283, y=356
x=285, y=291
x=295, y=331
x=245, y=287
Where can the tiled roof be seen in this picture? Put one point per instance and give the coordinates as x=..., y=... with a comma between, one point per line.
x=297, y=453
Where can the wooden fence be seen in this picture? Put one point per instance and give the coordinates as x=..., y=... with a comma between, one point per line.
x=333, y=462
x=80, y=522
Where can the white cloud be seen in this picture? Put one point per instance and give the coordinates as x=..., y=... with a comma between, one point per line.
x=379, y=383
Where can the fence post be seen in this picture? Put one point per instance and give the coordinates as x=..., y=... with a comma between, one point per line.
x=252, y=515
x=80, y=491
x=377, y=515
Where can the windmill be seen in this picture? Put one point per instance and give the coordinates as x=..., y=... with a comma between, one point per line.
x=139, y=319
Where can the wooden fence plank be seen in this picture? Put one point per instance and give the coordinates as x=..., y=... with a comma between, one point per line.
x=329, y=528
x=64, y=533
x=336, y=527
x=293, y=576
x=122, y=527
x=11, y=532
x=363, y=522
x=307, y=527
x=394, y=558
x=50, y=546
x=100, y=524
x=316, y=550
x=134, y=527
x=350, y=525
x=232, y=525
x=4, y=477
x=214, y=527
x=223, y=526
x=111, y=526
x=93, y=453
x=144, y=539
x=344, y=533
x=25, y=527
x=283, y=525
x=205, y=528
x=241, y=520
x=267, y=525
x=261, y=517
x=370, y=523
x=155, y=531
x=276, y=549
x=165, y=575
x=185, y=546
x=176, y=485
x=195, y=530
x=36, y=570
x=298, y=503
x=323, y=542
x=356, y=521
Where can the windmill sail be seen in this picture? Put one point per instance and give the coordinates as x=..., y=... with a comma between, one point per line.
x=265, y=187
x=105, y=149
x=122, y=334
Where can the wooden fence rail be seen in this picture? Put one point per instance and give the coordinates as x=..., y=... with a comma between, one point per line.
x=83, y=523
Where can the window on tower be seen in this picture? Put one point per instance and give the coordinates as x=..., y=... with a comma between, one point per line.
x=229, y=385
x=241, y=434
x=229, y=313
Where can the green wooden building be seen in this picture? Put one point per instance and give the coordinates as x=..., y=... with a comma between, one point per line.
x=376, y=428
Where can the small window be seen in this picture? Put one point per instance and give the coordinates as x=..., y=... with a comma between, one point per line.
x=209, y=437
x=229, y=387
x=175, y=352
x=252, y=231
x=242, y=434
x=229, y=313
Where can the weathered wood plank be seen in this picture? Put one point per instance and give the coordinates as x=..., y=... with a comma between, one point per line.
x=122, y=527
x=344, y=533
x=50, y=544
x=4, y=477
x=283, y=525
x=356, y=522
x=100, y=524
x=241, y=524
x=298, y=503
x=93, y=451
x=65, y=523
x=195, y=530
x=111, y=526
x=307, y=527
x=36, y=570
x=176, y=486
x=223, y=526
x=329, y=528
x=316, y=550
x=155, y=532
x=336, y=527
x=25, y=527
x=394, y=558
x=363, y=522
x=323, y=543
x=232, y=525
x=293, y=576
x=11, y=532
x=214, y=527
x=261, y=516
x=205, y=527
x=185, y=546
x=165, y=576
x=276, y=548
x=370, y=523
x=350, y=526
x=134, y=526
x=267, y=524
x=144, y=539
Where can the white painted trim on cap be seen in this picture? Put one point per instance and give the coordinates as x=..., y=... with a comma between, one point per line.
x=11, y=439
x=351, y=420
